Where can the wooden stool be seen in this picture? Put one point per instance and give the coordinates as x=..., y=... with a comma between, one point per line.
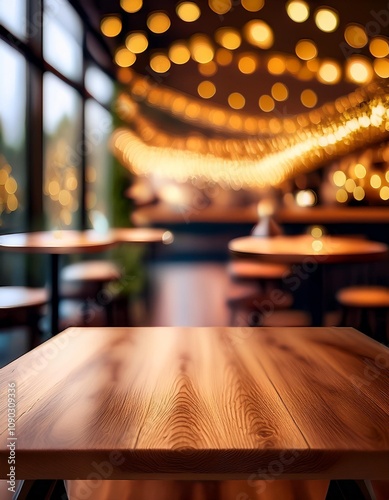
x=86, y=281
x=21, y=306
x=363, y=306
x=252, y=308
x=266, y=274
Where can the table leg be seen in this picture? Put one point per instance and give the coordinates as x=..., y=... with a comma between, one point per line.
x=317, y=296
x=54, y=294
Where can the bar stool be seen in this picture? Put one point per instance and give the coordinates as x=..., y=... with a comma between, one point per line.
x=87, y=282
x=22, y=306
x=267, y=275
x=364, y=307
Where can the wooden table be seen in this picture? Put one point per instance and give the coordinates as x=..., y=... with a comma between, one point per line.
x=200, y=403
x=310, y=253
x=67, y=242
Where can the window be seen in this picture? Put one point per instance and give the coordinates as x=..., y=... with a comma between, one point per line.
x=13, y=16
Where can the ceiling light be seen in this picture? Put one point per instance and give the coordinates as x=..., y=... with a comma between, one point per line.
x=206, y=89
x=259, y=33
x=220, y=6
x=252, y=5
x=137, y=42
x=159, y=63
x=229, y=38
x=111, y=26
x=329, y=72
x=223, y=57
x=124, y=58
x=158, y=22
x=247, y=64
x=359, y=70
x=266, y=103
x=379, y=47
x=297, y=10
x=279, y=91
x=355, y=36
x=381, y=67
x=188, y=11
x=306, y=49
x=236, y=100
x=201, y=48
x=360, y=171
x=131, y=6
x=179, y=53
x=276, y=65
x=308, y=98
x=339, y=178
x=326, y=20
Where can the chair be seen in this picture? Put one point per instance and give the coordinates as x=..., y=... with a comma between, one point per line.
x=22, y=306
x=366, y=307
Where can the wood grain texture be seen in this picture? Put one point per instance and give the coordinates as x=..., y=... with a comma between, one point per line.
x=141, y=235
x=200, y=403
x=296, y=249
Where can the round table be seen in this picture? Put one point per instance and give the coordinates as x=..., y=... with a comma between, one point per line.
x=310, y=253
x=141, y=235
x=55, y=243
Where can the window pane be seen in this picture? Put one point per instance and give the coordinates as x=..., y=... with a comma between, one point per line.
x=13, y=16
x=12, y=159
x=62, y=111
x=98, y=129
x=99, y=85
x=62, y=37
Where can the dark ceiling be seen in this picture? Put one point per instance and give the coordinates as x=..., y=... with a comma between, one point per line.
x=372, y=15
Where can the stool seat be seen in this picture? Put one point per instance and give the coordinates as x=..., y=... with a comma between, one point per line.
x=94, y=270
x=364, y=296
x=248, y=269
x=21, y=297
x=288, y=317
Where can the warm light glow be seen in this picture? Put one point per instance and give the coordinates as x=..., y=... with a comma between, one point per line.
x=359, y=70
x=279, y=91
x=206, y=89
x=317, y=245
x=329, y=72
x=341, y=196
x=259, y=33
x=220, y=6
x=159, y=63
x=229, y=38
x=308, y=98
x=339, y=178
x=359, y=171
x=350, y=185
x=375, y=181
x=306, y=49
x=381, y=67
x=131, y=6
x=124, y=58
x=326, y=20
x=379, y=47
x=384, y=193
x=355, y=36
x=252, y=5
x=306, y=198
x=137, y=42
x=208, y=69
x=111, y=26
x=316, y=232
x=179, y=53
x=359, y=193
x=236, y=100
x=158, y=22
x=293, y=65
x=201, y=49
x=223, y=57
x=266, y=103
x=297, y=10
x=247, y=64
x=188, y=11
x=276, y=65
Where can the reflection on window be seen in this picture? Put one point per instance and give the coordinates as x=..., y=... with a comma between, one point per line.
x=13, y=16
x=62, y=36
x=62, y=132
x=12, y=138
x=99, y=85
x=98, y=129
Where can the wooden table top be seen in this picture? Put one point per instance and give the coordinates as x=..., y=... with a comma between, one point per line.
x=141, y=235
x=57, y=242
x=193, y=403
x=294, y=249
